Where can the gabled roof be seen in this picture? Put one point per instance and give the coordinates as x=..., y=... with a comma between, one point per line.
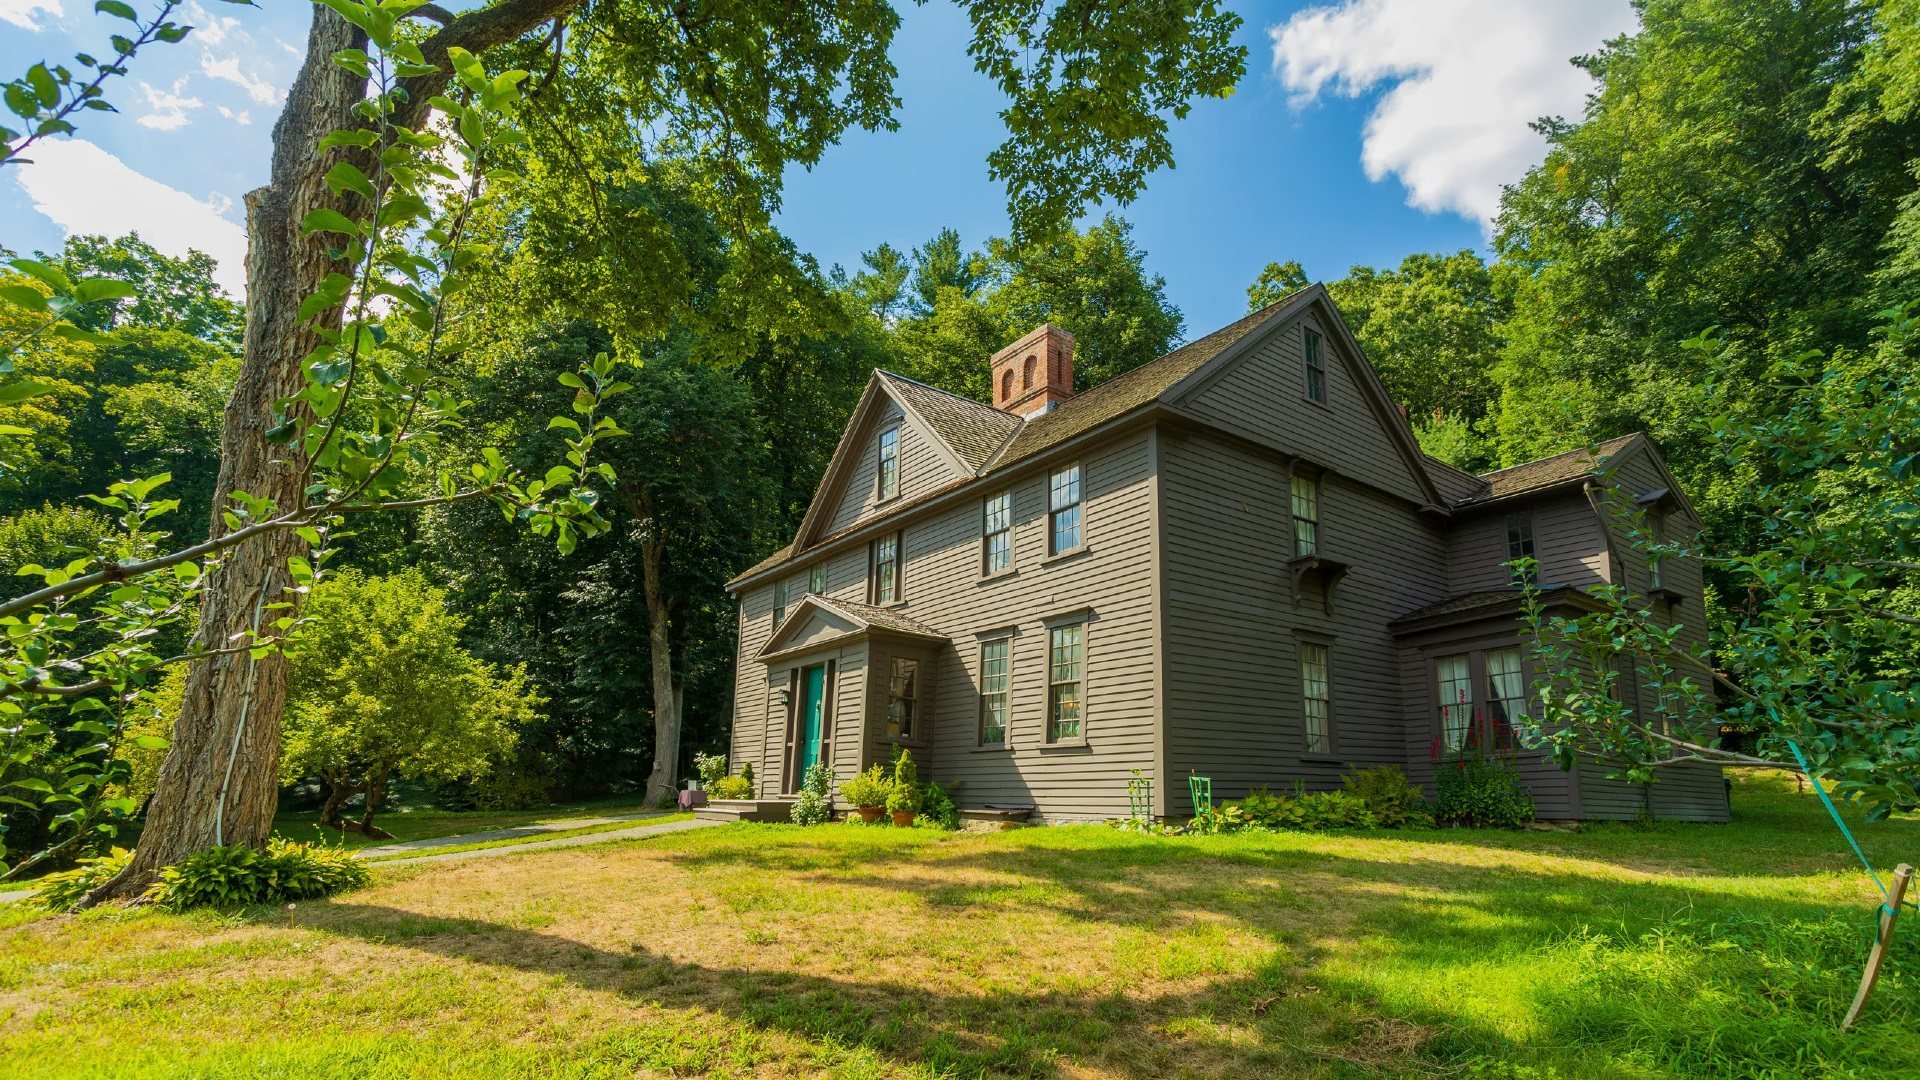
x=1547, y=472
x=864, y=617
x=973, y=431
x=1466, y=607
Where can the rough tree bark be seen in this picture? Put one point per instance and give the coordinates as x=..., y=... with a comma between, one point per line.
x=666, y=704
x=219, y=782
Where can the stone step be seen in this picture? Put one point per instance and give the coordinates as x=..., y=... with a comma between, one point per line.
x=745, y=810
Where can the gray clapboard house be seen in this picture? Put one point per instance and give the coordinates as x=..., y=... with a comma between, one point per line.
x=1233, y=561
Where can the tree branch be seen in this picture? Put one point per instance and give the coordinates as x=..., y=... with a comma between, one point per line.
x=476, y=32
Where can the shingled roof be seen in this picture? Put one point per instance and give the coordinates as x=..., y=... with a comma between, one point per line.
x=881, y=618
x=1549, y=471
x=973, y=431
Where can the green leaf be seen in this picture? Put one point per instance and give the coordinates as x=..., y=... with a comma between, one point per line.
x=118, y=10
x=25, y=296
x=345, y=177
x=44, y=86
x=93, y=290
x=329, y=221
x=172, y=32
x=468, y=67
x=22, y=390
x=52, y=275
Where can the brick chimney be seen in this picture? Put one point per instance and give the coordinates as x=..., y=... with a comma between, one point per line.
x=1035, y=373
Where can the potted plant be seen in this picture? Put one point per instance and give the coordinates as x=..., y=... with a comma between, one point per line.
x=868, y=792
x=903, y=802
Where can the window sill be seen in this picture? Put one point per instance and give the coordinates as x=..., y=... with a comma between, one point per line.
x=1065, y=744
x=1063, y=556
x=916, y=741
x=997, y=575
x=1003, y=748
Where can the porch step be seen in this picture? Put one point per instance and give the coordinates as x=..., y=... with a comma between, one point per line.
x=745, y=810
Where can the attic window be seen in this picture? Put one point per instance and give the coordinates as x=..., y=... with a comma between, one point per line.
x=890, y=463
x=1316, y=373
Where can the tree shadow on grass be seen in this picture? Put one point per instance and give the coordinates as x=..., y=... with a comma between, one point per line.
x=1329, y=924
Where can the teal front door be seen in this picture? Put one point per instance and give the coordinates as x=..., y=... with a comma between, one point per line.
x=813, y=703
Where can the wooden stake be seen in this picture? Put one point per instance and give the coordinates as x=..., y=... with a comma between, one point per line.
x=1888, y=916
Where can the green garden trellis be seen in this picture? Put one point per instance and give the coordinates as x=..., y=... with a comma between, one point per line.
x=1140, y=797
x=1200, y=788
x=1892, y=898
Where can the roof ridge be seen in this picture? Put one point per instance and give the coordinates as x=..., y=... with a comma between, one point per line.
x=939, y=390
x=1621, y=439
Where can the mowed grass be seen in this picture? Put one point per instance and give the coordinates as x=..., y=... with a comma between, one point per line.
x=843, y=951
x=420, y=824
x=516, y=841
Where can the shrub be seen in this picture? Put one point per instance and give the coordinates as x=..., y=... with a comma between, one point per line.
x=1393, y=799
x=511, y=787
x=905, y=773
x=903, y=799
x=937, y=809
x=236, y=875
x=812, y=807
x=869, y=788
x=1481, y=791
x=1262, y=809
x=711, y=768
x=730, y=787
x=61, y=891
x=746, y=771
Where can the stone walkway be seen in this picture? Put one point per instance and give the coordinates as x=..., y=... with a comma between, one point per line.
x=562, y=825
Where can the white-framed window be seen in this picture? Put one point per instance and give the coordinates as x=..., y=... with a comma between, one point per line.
x=1520, y=546
x=1506, y=689
x=889, y=463
x=1063, y=510
x=1316, y=698
x=996, y=531
x=883, y=586
x=903, y=697
x=1454, y=677
x=996, y=680
x=1306, y=515
x=1066, y=673
x=1316, y=369
x=817, y=579
x=1656, y=532
x=779, y=603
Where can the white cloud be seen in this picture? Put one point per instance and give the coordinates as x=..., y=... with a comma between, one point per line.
x=1466, y=77
x=21, y=12
x=168, y=107
x=241, y=117
x=259, y=90
x=209, y=29
x=84, y=189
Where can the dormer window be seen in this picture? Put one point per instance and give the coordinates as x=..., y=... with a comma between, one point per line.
x=889, y=463
x=817, y=579
x=1316, y=372
x=1656, y=533
x=1520, y=546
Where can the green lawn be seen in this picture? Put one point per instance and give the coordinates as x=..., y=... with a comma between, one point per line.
x=1670, y=951
x=516, y=841
x=408, y=824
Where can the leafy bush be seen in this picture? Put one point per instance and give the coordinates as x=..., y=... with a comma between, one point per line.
x=905, y=773
x=1262, y=809
x=1393, y=799
x=869, y=788
x=1482, y=791
x=812, y=807
x=1221, y=819
x=937, y=809
x=59, y=892
x=730, y=787
x=711, y=768
x=236, y=875
x=511, y=787
x=903, y=799
x=746, y=771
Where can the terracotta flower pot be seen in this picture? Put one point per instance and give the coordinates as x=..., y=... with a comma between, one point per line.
x=903, y=819
x=870, y=814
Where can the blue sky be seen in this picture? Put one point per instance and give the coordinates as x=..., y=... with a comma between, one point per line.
x=1364, y=130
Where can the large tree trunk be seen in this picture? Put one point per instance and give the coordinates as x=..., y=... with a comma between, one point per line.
x=219, y=783
x=666, y=703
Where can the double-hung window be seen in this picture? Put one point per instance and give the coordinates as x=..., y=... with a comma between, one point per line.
x=1455, y=685
x=1506, y=692
x=1316, y=370
x=889, y=463
x=817, y=579
x=996, y=546
x=1066, y=663
x=1316, y=698
x=1520, y=546
x=779, y=603
x=995, y=680
x=1656, y=532
x=903, y=696
x=1063, y=510
x=883, y=586
x=1306, y=515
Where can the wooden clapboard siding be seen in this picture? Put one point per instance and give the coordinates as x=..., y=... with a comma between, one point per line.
x=922, y=468
x=1567, y=542
x=1232, y=628
x=1264, y=395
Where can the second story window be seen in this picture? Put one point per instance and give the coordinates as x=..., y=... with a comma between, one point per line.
x=1063, y=510
x=997, y=533
x=890, y=463
x=779, y=603
x=883, y=586
x=903, y=695
x=1306, y=515
x=1656, y=533
x=994, y=683
x=1316, y=371
x=1520, y=546
x=817, y=579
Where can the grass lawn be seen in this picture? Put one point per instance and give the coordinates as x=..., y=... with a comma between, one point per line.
x=516, y=841
x=420, y=824
x=759, y=950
